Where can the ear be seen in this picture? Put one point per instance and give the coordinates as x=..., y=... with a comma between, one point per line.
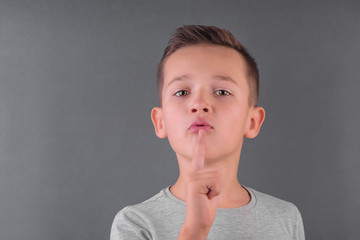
x=257, y=117
x=158, y=121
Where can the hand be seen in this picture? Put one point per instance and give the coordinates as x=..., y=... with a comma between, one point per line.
x=203, y=185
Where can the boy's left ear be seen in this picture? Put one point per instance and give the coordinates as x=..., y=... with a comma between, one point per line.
x=257, y=118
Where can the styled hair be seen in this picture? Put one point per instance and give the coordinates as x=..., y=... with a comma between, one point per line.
x=189, y=35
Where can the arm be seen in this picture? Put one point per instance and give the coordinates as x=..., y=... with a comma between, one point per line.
x=192, y=233
x=299, y=228
x=203, y=186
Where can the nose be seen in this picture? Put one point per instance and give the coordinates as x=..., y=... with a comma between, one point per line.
x=200, y=105
x=194, y=110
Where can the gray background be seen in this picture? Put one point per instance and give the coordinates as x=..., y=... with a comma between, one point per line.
x=77, y=84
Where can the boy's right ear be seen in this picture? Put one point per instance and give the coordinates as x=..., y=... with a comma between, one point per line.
x=158, y=121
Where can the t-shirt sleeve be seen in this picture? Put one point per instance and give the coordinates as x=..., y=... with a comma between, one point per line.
x=299, y=227
x=129, y=225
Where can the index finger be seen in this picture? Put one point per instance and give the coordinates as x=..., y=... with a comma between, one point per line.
x=198, y=159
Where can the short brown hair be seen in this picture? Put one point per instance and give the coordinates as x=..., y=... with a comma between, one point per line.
x=188, y=35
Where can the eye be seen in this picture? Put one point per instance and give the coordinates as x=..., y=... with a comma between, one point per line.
x=181, y=93
x=222, y=92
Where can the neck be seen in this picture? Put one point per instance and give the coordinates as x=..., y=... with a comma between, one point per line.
x=232, y=193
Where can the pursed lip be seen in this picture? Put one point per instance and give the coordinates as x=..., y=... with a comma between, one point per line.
x=199, y=124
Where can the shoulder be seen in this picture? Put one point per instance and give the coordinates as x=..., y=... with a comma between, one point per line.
x=140, y=210
x=132, y=222
x=277, y=217
x=274, y=206
x=140, y=219
x=266, y=200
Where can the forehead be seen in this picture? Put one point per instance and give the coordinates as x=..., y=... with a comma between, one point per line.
x=205, y=61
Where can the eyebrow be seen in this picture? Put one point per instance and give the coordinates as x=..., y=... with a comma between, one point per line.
x=225, y=78
x=179, y=78
x=216, y=77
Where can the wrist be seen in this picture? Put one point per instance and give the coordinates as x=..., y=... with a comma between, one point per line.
x=193, y=233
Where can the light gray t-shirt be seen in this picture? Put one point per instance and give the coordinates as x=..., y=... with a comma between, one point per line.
x=162, y=216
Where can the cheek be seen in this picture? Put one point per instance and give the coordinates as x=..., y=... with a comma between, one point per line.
x=175, y=129
x=173, y=120
x=230, y=113
x=234, y=117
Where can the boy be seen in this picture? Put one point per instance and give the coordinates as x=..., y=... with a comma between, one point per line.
x=208, y=90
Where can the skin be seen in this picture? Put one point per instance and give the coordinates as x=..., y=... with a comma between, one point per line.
x=206, y=83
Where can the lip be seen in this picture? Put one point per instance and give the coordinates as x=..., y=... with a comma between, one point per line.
x=199, y=124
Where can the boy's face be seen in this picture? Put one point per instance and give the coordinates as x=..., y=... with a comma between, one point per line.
x=205, y=87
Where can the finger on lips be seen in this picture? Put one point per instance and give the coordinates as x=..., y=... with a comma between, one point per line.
x=199, y=152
